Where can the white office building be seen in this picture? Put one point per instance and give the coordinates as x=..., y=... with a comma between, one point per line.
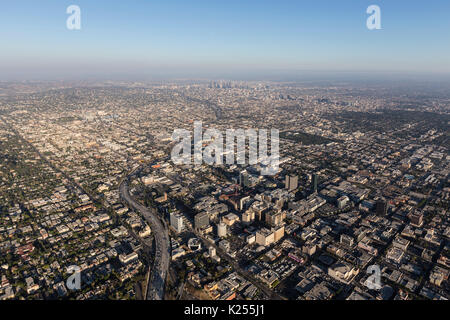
x=176, y=221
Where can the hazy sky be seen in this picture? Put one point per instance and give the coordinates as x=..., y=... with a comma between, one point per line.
x=190, y=37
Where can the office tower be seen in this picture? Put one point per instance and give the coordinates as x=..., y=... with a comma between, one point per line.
x=260, y=212
x=382, y=207
x=176, y=221
x=243, y=179
x=248, y=217
x=278, y=233
x=416, y=219
x=314, y=182
x=212, y=251
x=221, y=230
x=342, y=202
x=243, y=202
x=265, y=237
x=274, y=218
x=201, y=220
x=291, y=182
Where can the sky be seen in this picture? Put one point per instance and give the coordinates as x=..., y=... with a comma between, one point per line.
x=193, y=38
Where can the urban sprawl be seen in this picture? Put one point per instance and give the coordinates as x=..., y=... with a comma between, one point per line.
x=87, y=180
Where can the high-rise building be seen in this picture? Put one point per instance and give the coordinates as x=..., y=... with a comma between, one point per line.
x=278, y=233
x=265, y=237
x=314, y=182
x=260, y=211
x=274, y=218
x=291, y=182
x=342, y=202
x=243, y=179
x=221, y=230
x=201, y=220
x=248, y=216
x=176, y=221
x=382, y=207
x=416, y=219
x=243, y=202
x=286, y=182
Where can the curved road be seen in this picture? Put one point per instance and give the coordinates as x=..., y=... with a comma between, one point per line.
x=162, y=256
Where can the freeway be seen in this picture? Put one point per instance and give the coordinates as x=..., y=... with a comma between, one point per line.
x=157, y=280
